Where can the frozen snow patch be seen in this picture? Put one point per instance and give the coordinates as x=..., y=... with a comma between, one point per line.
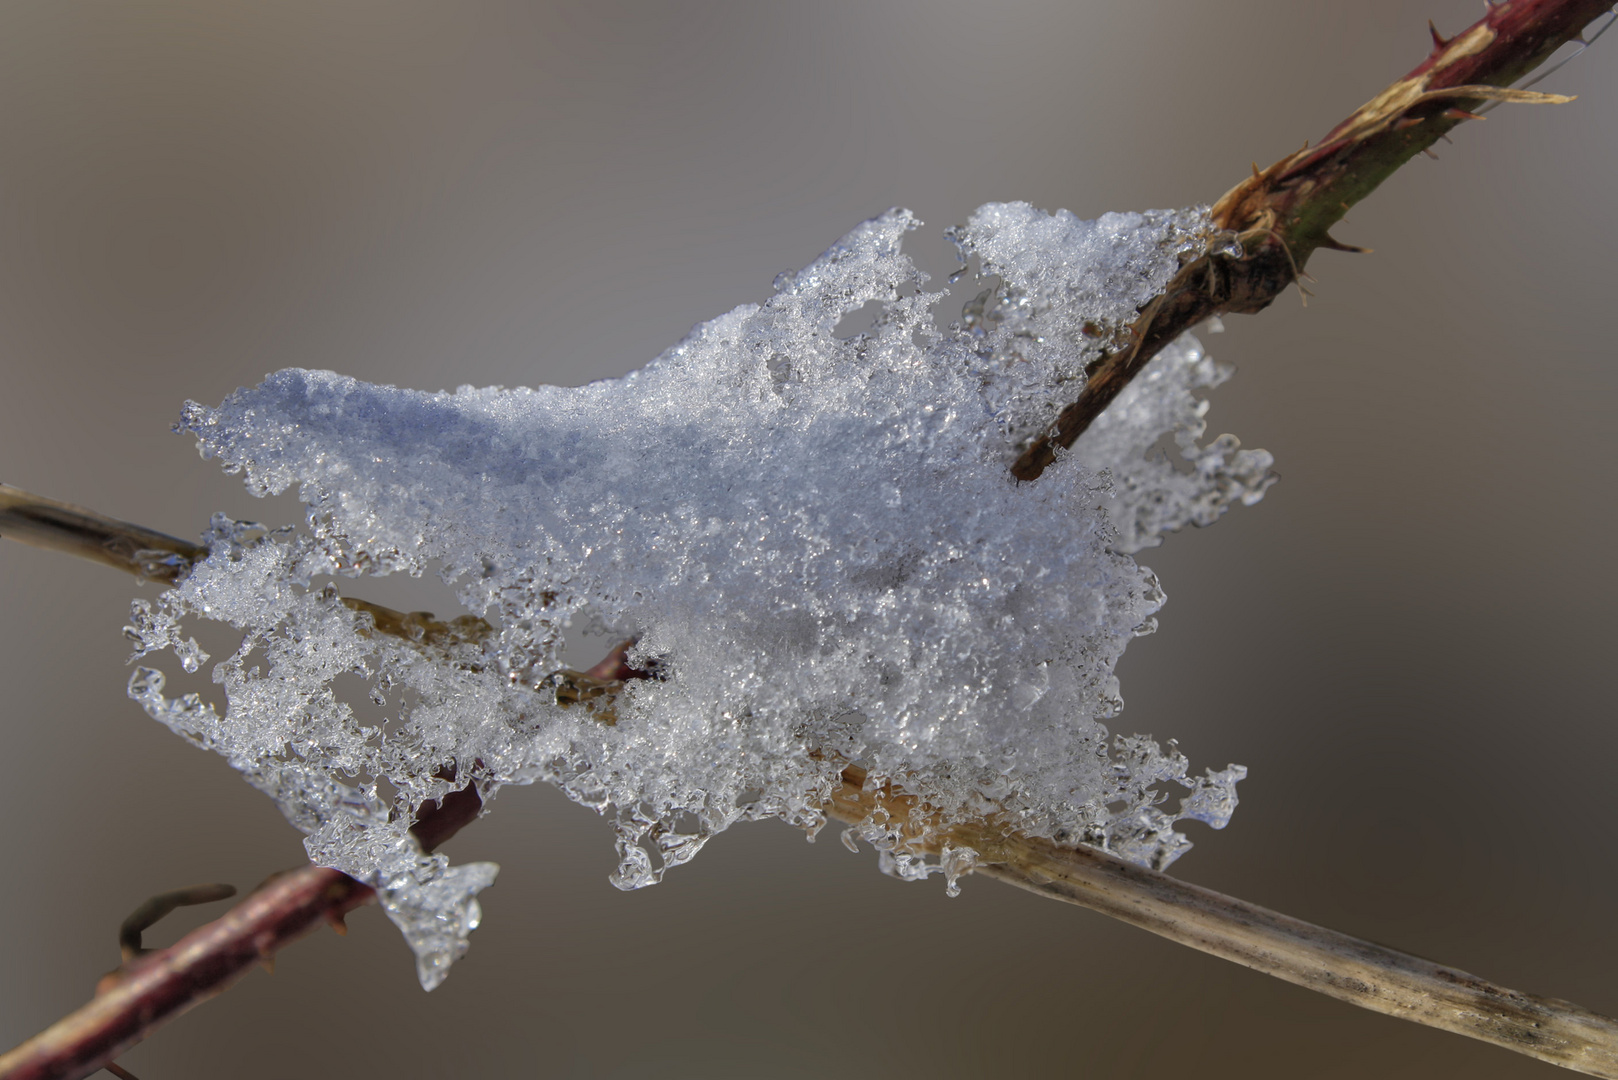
x=815, y=540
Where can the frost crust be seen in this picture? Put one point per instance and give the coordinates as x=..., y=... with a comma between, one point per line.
x=814, y=542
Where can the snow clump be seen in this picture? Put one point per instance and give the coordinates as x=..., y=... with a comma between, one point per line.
x=814, y=542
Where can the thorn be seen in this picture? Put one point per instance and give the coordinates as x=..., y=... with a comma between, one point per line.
x=1462, y=114
x=1307, y=276
x=1428, y=151
x=338, y=926
x=1256, y=174
x=1333, y=244
x=148, y=914
x=268, y=964
x=1447, y=139
x=1404, y=123
x=1439, y=40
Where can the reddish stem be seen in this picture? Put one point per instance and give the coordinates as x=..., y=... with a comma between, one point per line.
x=161, y=985
x=1284, y=213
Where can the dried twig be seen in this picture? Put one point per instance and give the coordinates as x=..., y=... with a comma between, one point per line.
x=1359, y=972
x=1346, y=968
x=161, y=985
x=1281, y=215
x=152, y=988
x=59, y=526
x=53, y=525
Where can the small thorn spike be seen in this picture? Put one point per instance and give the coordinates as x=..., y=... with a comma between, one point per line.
x=1439, y=40
x=1333, y=244
x=1462, y=114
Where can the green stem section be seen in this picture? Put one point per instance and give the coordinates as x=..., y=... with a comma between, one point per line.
x=1283, y=214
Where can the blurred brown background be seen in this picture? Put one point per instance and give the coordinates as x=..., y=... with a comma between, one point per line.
x=1409, y=642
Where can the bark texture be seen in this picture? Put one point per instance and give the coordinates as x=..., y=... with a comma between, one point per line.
x=1282, y=215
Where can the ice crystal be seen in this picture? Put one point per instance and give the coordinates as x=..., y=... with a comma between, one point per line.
x=814, y=542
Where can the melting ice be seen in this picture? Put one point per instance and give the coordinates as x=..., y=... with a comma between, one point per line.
x=815, y=543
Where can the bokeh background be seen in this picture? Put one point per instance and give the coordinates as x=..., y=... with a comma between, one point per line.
x=1410, y=641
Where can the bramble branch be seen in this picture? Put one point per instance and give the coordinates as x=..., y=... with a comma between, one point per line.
x=1359, y=972
x=154, y=989
x=1281, y=215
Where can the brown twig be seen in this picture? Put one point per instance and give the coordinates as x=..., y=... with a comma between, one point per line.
x=153, y=988
x=1359, y=972
x=53, y=525
x=1346, y=968
x=161, y=985
x=1282, y=214
x=59, y=526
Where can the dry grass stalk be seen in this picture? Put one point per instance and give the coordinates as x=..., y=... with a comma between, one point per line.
x=1359, y=972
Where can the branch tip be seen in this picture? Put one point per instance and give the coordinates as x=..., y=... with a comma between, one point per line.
x=1283, y=213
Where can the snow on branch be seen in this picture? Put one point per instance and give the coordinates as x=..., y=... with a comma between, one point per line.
x=841, y=603
x=1279, y=216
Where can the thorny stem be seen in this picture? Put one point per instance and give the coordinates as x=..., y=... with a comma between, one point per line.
x=159, y=986
x=1281, y=215
x=153, y=988
x=1359, y=972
